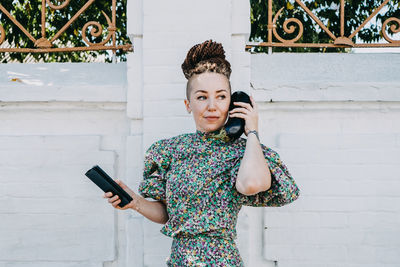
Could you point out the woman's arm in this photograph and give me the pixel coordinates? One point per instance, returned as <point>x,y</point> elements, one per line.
<point>253,175</point>
<point>155,211</point>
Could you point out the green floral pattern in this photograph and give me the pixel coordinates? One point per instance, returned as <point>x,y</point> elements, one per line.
<point>194,174</point>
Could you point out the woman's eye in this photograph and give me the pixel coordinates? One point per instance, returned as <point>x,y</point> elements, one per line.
<point>201,97</point>
<point>222,96</point>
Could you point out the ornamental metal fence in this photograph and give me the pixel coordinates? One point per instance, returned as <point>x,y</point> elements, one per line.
<point>288,29</point>
<point>47,44</point>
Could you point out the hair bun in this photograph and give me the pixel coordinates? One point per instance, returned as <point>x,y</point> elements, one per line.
<point>208,53</point>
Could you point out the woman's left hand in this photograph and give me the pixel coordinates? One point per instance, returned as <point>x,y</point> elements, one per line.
<point>248,113</point>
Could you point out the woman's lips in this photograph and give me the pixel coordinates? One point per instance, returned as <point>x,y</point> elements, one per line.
<point>212,118</point>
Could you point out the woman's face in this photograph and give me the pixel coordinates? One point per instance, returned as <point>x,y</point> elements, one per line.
<point>209,100</point>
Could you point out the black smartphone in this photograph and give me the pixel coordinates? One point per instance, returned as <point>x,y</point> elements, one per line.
<point>107,184</point>
<point>234,127</point>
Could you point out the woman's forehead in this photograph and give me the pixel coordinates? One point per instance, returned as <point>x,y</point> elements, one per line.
<point>210,82</point>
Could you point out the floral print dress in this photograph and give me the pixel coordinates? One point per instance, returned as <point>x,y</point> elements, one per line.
<point>194,175</point>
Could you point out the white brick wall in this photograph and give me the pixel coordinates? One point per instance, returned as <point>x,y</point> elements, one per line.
<point>51,133</point>
<point>345,157</point>
<point>333,119</point>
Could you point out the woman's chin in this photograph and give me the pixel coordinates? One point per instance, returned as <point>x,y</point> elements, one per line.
<point>212,128</point>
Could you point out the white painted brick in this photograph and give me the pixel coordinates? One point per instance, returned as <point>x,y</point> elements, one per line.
<point>347,156</point>
<point>327,252</point>
<point>378,141</point>
<point>42,205</point>
<point>277,252</point>
<point>385,237</point>
<point>54,158</point>
<point>350,188</point>
<point>51,264</point>
<point>112,143</point>
<point>135,80</point>
<point>157,75</point>
<point>85,189</point>
<point>79,244</point>
<point>240,17</point>
<point>312,263</point>
<point>135,17</point>
<point>80,122</point>
<point>136,127</point>
<point>276,219</point>
<point>362,254</point>
<point>344,172</point>
<point>240,59</point>
<point>240,81</point>
<point>218,17</point>
<point>135,240</point>
<point>83,143</point>
<point>388,254</point>
<point>186,23</point>
<point>333,219</point>
<point>172,57</point>
<point>64,82</point>
<point>165,108</point>
<point>185,8</point>
<point>50,173</point>
<point>184,40</point>
<point>346,204</point>
<point>163,92</point>
<point>340,67</point>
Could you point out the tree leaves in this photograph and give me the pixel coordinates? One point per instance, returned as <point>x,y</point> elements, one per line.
<point>28,13</point>
<point>356,11</point>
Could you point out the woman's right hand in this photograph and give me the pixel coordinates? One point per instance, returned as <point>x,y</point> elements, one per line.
<point>115,200</point>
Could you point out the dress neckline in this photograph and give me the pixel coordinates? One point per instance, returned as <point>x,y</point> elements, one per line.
<point>218,135</point>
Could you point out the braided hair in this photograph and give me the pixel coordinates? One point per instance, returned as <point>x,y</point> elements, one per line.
<point>208,56</point>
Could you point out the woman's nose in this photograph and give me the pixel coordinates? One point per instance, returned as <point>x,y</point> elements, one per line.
<point>211,104</point>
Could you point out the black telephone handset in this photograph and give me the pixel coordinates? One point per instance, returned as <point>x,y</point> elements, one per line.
<point>107,184</point>
<point>234,127</point>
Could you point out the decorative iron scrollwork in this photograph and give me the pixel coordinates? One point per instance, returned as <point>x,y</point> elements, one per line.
<point>97,30</point>
<point>58,7</point>
<point>289,30</point>
<point>336,41</point>
<point>45,45</point>
<point>395,28</point>
<point>2,34</point>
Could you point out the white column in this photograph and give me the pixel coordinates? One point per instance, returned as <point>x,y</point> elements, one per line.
<point>134,155</point>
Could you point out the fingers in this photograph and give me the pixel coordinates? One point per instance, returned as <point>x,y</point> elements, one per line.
<point>125,187</point>
<point>239,110</point>
<point>243,104</point>
<point>238,115</point>
<point>114,200</point>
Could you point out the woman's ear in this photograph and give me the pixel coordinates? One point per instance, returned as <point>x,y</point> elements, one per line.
<point>187,104</point>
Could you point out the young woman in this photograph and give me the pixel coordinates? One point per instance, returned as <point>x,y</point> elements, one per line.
<point>201,180</point>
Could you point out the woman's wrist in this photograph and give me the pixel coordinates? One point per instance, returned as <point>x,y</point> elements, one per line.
<point>136,203</point>
<point>255,132</point>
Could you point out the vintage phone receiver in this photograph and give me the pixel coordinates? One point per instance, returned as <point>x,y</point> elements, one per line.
<point>234,127</point>
<point>102,180</point>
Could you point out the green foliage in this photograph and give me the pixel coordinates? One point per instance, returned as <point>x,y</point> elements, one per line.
<point>28,13</point>
<point>328,11</point>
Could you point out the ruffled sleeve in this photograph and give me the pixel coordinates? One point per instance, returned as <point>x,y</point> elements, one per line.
<point>156,163</point>
<point>283,188</point>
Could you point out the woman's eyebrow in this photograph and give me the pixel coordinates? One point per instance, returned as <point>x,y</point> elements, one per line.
<point>203,91</point>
